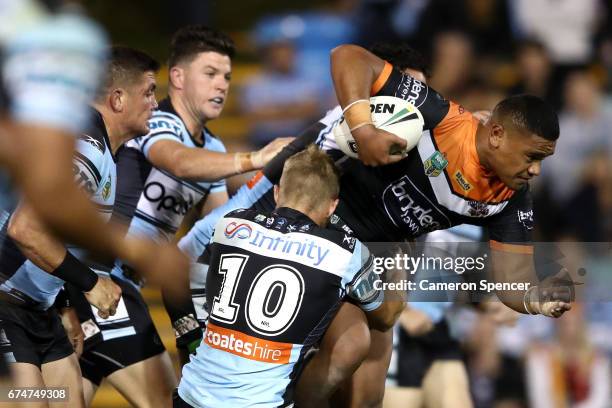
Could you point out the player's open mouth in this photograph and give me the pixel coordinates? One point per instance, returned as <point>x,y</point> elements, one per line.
<point>218,100</point>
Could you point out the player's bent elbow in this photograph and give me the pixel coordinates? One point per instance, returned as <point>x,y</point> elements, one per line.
<point>385,318</point>
<point>178,169</point>
<point>511,299</point>
<point>20,231</point>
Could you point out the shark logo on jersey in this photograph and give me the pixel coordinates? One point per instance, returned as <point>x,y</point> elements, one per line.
<point>95,143</point>
<point>280,222</point>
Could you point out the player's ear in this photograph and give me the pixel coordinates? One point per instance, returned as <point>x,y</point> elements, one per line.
<point>332,207</point>
<point>117,100</point>
<point>177,77</point>
<point>496,135</point>
<point>276,192</point>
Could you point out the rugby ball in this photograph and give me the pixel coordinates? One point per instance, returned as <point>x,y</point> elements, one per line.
<point>394,115</point>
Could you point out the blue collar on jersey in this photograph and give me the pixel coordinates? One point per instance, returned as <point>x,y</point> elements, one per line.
<point>166,106</point>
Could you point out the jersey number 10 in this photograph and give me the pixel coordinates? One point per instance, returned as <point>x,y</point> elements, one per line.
<point>263,314</point>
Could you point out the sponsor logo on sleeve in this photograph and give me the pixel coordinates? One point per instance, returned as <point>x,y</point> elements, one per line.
<point>412,90</point>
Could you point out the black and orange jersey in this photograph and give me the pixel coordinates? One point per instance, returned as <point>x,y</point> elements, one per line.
<point>441,183</point>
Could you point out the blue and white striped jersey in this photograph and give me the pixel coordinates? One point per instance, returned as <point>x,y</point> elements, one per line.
<point>274,283</point>
<point>156,199</point>
<point>153,201</point>
<point>95,172</point>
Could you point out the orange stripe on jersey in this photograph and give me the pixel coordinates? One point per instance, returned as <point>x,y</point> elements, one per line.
<point>455,138</point>
<point>245,346</point>
<point>512,248</point>
<point>382,78</point>
<point>251,183</point>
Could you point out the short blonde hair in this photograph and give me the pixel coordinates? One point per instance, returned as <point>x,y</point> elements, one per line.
<point>310,177</point>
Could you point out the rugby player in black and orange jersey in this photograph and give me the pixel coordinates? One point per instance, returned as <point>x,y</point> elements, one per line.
<point>460,172</point>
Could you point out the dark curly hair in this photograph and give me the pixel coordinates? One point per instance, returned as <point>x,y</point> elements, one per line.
<point>191,40</point>
<point>401,56</point>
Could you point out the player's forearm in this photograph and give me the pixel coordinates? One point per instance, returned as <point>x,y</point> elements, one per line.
<point>354,70</point>
<point>513,268</point>
<point>37,244</point>
<point>44,251</point>
<point>206,165</point>
<point>386,315</point>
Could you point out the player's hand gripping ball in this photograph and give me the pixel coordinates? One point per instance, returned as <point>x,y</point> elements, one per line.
<point>394,115</point>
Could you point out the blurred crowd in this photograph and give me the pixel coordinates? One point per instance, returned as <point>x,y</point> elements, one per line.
<point>480,51</point>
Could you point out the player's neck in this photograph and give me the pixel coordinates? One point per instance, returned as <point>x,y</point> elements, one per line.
<point>190,118</point>
<point>482,145</point>
<point>117,134</point>
<point>316,216</point>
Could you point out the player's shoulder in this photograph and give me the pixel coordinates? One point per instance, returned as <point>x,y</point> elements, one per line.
<point>166,120</point>
<point>93,143</point>
<point>457,116</point>
<point>522,198</point>
<point>344,239</point>
<point>212,141</point>
<point>242,213</point>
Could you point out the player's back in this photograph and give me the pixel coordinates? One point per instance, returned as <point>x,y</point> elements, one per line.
<point>275,281</point>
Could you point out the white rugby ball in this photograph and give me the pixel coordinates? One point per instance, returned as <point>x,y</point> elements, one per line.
<point>394,115</point>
